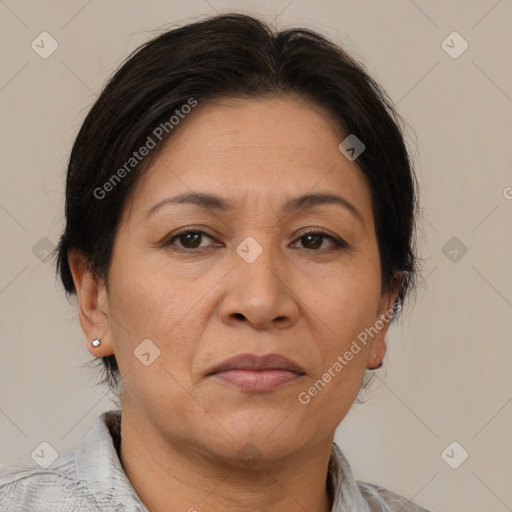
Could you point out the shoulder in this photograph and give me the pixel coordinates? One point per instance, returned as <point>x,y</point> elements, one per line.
<point>89,479</point>
<point>26,486</point>
<point>380,499</point>
<point>351,494</point>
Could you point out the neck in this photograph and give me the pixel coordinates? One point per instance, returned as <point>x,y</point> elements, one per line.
<point>170,476</point>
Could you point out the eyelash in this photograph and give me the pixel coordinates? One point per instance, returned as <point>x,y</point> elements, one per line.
<point>338,242</point>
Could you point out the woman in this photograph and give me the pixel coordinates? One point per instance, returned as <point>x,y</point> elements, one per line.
<point>240,214</point>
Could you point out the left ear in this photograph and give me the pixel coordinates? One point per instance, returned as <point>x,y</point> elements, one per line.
<point>381,325</point>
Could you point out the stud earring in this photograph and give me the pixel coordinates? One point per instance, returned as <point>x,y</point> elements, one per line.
<point>95,343</point>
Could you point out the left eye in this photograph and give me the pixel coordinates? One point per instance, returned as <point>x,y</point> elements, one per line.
<point>314,239</point>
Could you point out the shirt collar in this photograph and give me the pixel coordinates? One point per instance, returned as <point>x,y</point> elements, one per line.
<point>99,467</point>
<point>347,496</point>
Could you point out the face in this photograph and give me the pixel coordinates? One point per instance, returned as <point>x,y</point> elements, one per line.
<point>250,272</point>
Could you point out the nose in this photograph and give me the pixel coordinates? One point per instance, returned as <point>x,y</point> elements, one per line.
<point>259,294</point>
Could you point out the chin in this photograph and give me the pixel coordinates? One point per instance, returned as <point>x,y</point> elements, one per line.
<point>263,435</point>
<point>256,453</point>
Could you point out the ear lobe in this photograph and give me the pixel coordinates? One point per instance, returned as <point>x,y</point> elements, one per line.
<point>90,293</point>
<point>376,353</point>
<point>378,343</point>
<point>382,321</point>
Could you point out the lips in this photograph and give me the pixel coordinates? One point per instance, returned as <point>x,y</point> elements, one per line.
<point>251,372</point>
<point>254,362</point>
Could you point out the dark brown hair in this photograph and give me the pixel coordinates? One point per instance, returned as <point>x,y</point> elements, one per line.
<point>231,55</point>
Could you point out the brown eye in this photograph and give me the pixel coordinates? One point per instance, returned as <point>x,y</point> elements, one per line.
<point>188,239</point>
<point>314,240</point>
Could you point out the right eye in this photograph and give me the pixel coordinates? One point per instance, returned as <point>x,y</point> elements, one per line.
<point>188,239</point>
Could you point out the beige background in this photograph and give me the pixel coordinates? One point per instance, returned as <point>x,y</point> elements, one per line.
<point>448,375</point>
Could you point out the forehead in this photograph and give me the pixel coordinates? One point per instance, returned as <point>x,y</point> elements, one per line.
<point>267,129</point>
<point>267,148</point>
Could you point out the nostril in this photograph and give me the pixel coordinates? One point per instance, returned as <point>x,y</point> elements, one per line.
<point>239,316</point>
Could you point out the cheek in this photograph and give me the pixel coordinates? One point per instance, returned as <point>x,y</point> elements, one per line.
<point>336,381</point>
<point>350,304</point>
<point>331,392</point>
<point>150,347</point>
<point>142,308</point>
<point>351,308</point>
<point>146,295</point>
<point>151,302</point>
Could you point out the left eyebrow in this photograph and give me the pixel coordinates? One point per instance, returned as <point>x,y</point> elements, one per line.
<point>307,201</point>
<point>215,202</point>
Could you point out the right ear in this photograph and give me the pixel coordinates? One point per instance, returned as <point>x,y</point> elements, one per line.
<point>93,310</point>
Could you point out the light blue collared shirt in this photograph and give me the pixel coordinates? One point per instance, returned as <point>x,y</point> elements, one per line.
<point>92,478</point>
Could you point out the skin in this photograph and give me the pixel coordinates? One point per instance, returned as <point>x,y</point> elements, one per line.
<point>183,432</point>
